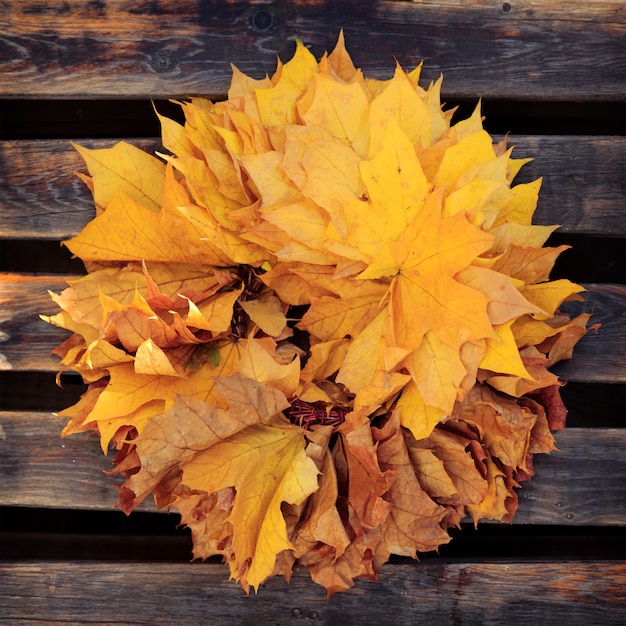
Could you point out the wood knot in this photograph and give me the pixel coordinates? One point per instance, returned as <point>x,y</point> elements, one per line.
<point>163,61</point>
<point>261,20</point>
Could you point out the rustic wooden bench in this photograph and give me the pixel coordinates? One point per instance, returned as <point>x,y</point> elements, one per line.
<point>551,73</point>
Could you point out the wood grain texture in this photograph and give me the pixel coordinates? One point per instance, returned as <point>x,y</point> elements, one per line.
<point>26,341</point>
<point>584,187</point>
<point>600,353</point>
<point>571,484</point>
<point>40,195</point>
<point>512,593</point>
<point>532,49</point>
<point>584,183</point>
<point>524,51</point>
<point>582,484</point>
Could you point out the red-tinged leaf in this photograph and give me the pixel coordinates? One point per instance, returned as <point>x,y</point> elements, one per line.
<point>366,483</point>
<point>415,520</point>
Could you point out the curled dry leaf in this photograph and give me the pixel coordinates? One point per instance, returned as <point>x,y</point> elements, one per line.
<point>320,325</point>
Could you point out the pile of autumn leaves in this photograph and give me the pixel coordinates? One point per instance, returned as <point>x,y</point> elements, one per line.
<point>318,243</point>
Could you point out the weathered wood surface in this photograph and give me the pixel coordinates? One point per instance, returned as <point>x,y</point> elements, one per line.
<point>601,353</point>
<point>26,340</point>
<point>40,195</point>
<point>523,50</point>
<point>409,593</point>
<point>584,188</point>
<point>581,484</point>
<point>530,49</point>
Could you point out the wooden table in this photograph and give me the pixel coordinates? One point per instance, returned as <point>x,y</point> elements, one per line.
<point>551,73</point>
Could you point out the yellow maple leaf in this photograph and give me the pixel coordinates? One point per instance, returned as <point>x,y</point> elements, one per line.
<point>399,104</point>
<point>426,283</point>
<point>267,465</point>
<point>277,104</point>
<point>133,398</point>
<point>549,296</point>
<point>339,108</point>
<point>505,300</point>
<point>437,370</point>
<point>128,231</point>
<point>124,167</point>
<point>267,312</point>
<point>415,414</point>
<point>192,425</point>
<point>502,354</point>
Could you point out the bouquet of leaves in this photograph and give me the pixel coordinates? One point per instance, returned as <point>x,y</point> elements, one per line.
<point>321,325</point>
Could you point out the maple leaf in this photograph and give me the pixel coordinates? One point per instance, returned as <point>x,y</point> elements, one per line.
<point>193,425</point>
<point>322,523</point>
<point>448,469</point>
<point>321,326</point>
<point>364,481</point>
<point>267,465</point>
<point>415,520</point>
<point>206,515</point>
<point>127,168</point>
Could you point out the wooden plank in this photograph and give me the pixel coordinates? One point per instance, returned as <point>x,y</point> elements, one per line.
<point>26,341</point>
<point>584,187</point>
<point>582,484</point>
<point>568,487</point>
<point>40,195</point>
<point>584,182</point>
<point>600,354</point>
<point>535,49</point>
<point>512,593</point>
<point>50,471</point>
